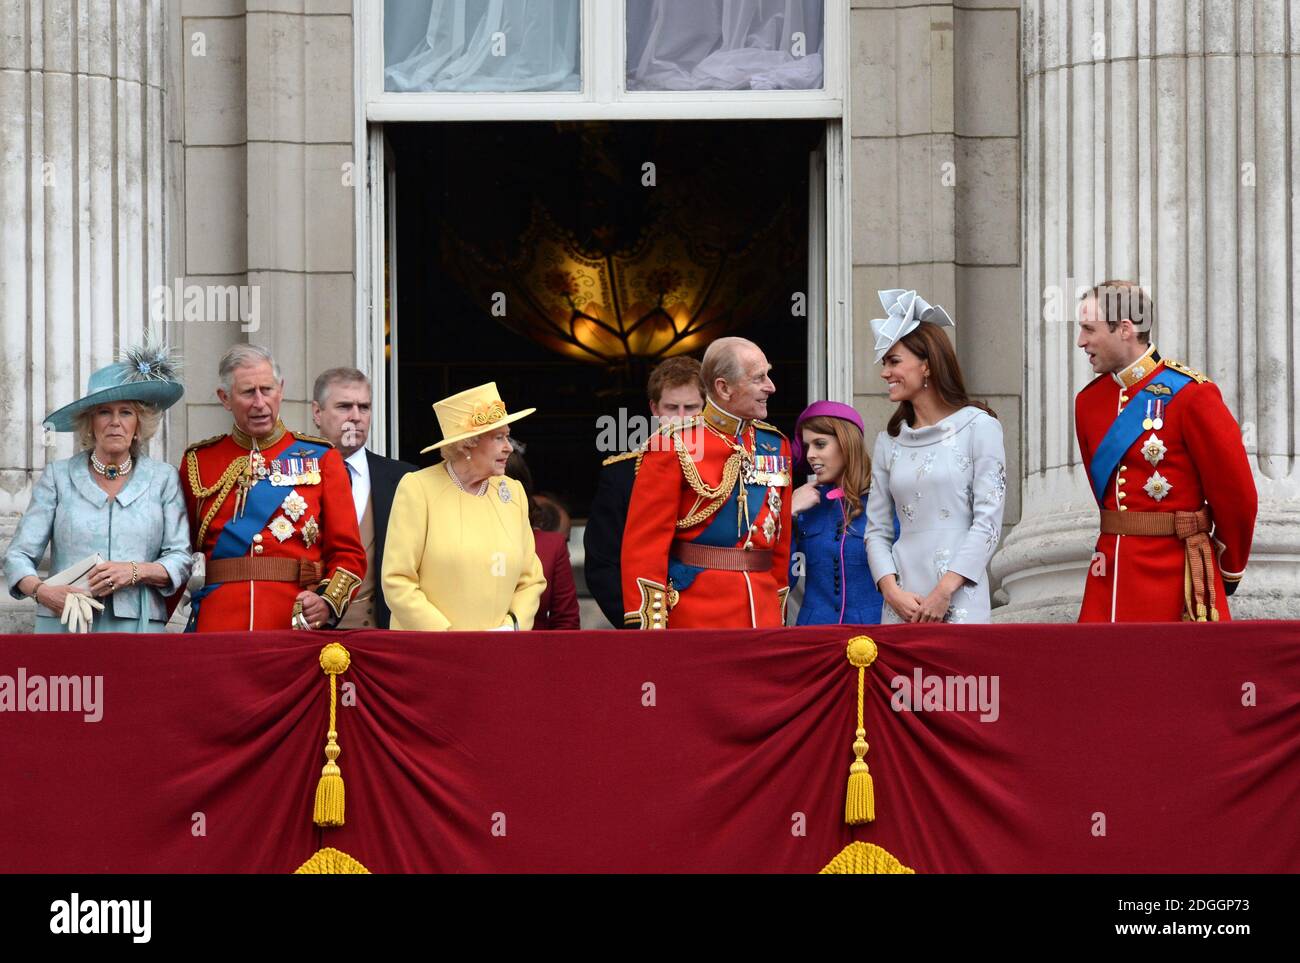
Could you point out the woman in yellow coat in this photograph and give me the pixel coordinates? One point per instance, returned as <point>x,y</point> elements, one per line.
<point>459,553</point>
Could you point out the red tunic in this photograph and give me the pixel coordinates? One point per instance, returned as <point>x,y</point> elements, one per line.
<point>1200,459</point>
<point>321,527</point>
<point>663,494</point>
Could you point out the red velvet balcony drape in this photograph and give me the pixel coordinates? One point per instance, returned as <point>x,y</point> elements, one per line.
<point>1169,748</point>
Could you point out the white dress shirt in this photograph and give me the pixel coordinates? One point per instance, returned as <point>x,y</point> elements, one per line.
<point>359,472</point>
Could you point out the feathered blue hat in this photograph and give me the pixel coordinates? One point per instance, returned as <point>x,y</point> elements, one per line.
<point>147,374</point>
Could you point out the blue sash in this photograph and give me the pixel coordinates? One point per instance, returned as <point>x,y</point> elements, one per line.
<point>1125,430</point>
<point>236,537</point>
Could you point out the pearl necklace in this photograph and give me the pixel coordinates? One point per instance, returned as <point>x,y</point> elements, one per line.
<point>110,471</point>
<point>482,489</point>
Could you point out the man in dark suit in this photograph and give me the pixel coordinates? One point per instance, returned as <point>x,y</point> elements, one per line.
<point>676,393</point>
<point>341,409</point>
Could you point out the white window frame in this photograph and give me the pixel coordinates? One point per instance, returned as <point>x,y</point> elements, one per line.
<point>602,97</point>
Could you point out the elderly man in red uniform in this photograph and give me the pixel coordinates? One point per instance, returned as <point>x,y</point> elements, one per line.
<point>271,511</point>
<point>1166,463</point>
<point>707,539</point>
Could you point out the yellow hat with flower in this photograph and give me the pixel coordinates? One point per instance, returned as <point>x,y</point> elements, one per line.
<point>474,411</point>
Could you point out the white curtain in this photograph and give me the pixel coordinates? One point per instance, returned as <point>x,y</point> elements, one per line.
<point>724,44</point>
<point>481,45</point>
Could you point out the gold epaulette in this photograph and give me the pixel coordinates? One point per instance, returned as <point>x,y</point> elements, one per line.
<point>316,439</point>
<point>1197,376</point>
<point>205,442</point>
<point>764,424</point>
<point>614,459</point>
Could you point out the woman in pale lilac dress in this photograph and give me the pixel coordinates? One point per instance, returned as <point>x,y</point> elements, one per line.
<point>941,465</point>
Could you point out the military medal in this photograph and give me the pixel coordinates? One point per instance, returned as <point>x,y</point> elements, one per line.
<point>1159,421</point>
<point>1147,423</point>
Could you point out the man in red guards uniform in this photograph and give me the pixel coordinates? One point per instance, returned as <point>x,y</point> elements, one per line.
<point>1167,466</point>
<point>707,539</point>
<point>271,511</point>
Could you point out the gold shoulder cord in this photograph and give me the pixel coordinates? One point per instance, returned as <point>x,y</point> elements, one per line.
<point>221,489</point>
<point>714,496</point>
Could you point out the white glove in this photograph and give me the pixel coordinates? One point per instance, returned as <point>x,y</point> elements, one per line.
<point>78,612</point>
<point>503,628</point>
<point>198,572</point>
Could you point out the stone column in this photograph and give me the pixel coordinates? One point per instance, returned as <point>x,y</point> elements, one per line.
<point>263,146</point>
<point>935,190</point>
<point>81,216</point>
<point>1162,144</point>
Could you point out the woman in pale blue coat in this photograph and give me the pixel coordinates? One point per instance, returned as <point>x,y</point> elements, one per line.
<point>109,499</point>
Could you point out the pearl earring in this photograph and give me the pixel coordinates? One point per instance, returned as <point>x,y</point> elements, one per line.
<point>926,383</point>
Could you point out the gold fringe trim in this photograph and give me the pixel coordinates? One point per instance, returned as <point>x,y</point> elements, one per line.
<point>865,858</point>
<point>330,860</point>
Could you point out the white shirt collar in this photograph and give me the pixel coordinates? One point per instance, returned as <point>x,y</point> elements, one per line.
<point>359,463</point>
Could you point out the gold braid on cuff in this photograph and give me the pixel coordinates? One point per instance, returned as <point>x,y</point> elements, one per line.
<point>338,590</point>
<point>653,613</point>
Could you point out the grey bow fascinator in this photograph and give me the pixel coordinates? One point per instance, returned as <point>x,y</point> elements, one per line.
<point>905,311</point>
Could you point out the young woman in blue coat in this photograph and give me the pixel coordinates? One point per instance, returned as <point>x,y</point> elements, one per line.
<point>830,523</point>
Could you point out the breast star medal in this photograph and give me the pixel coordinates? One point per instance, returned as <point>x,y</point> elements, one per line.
<point>1157,486</point>
<point>294,505</point>
<point>1153,449</point>
<point>310,531</point>
<point>281,528</point>
<point>772,524</point>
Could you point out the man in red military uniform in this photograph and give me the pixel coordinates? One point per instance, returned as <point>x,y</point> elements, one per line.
<point>707,539</point>
<point>271,511</point>
<point>1168,468</point>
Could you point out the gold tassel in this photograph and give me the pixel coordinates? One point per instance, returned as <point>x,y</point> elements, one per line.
<point>334,661</point>
<point>860,803</point>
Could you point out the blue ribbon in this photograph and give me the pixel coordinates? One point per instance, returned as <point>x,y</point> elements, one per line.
<point>1125,430</point>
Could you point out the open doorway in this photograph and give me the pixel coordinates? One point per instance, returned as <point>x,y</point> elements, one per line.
<point>563,260</point>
